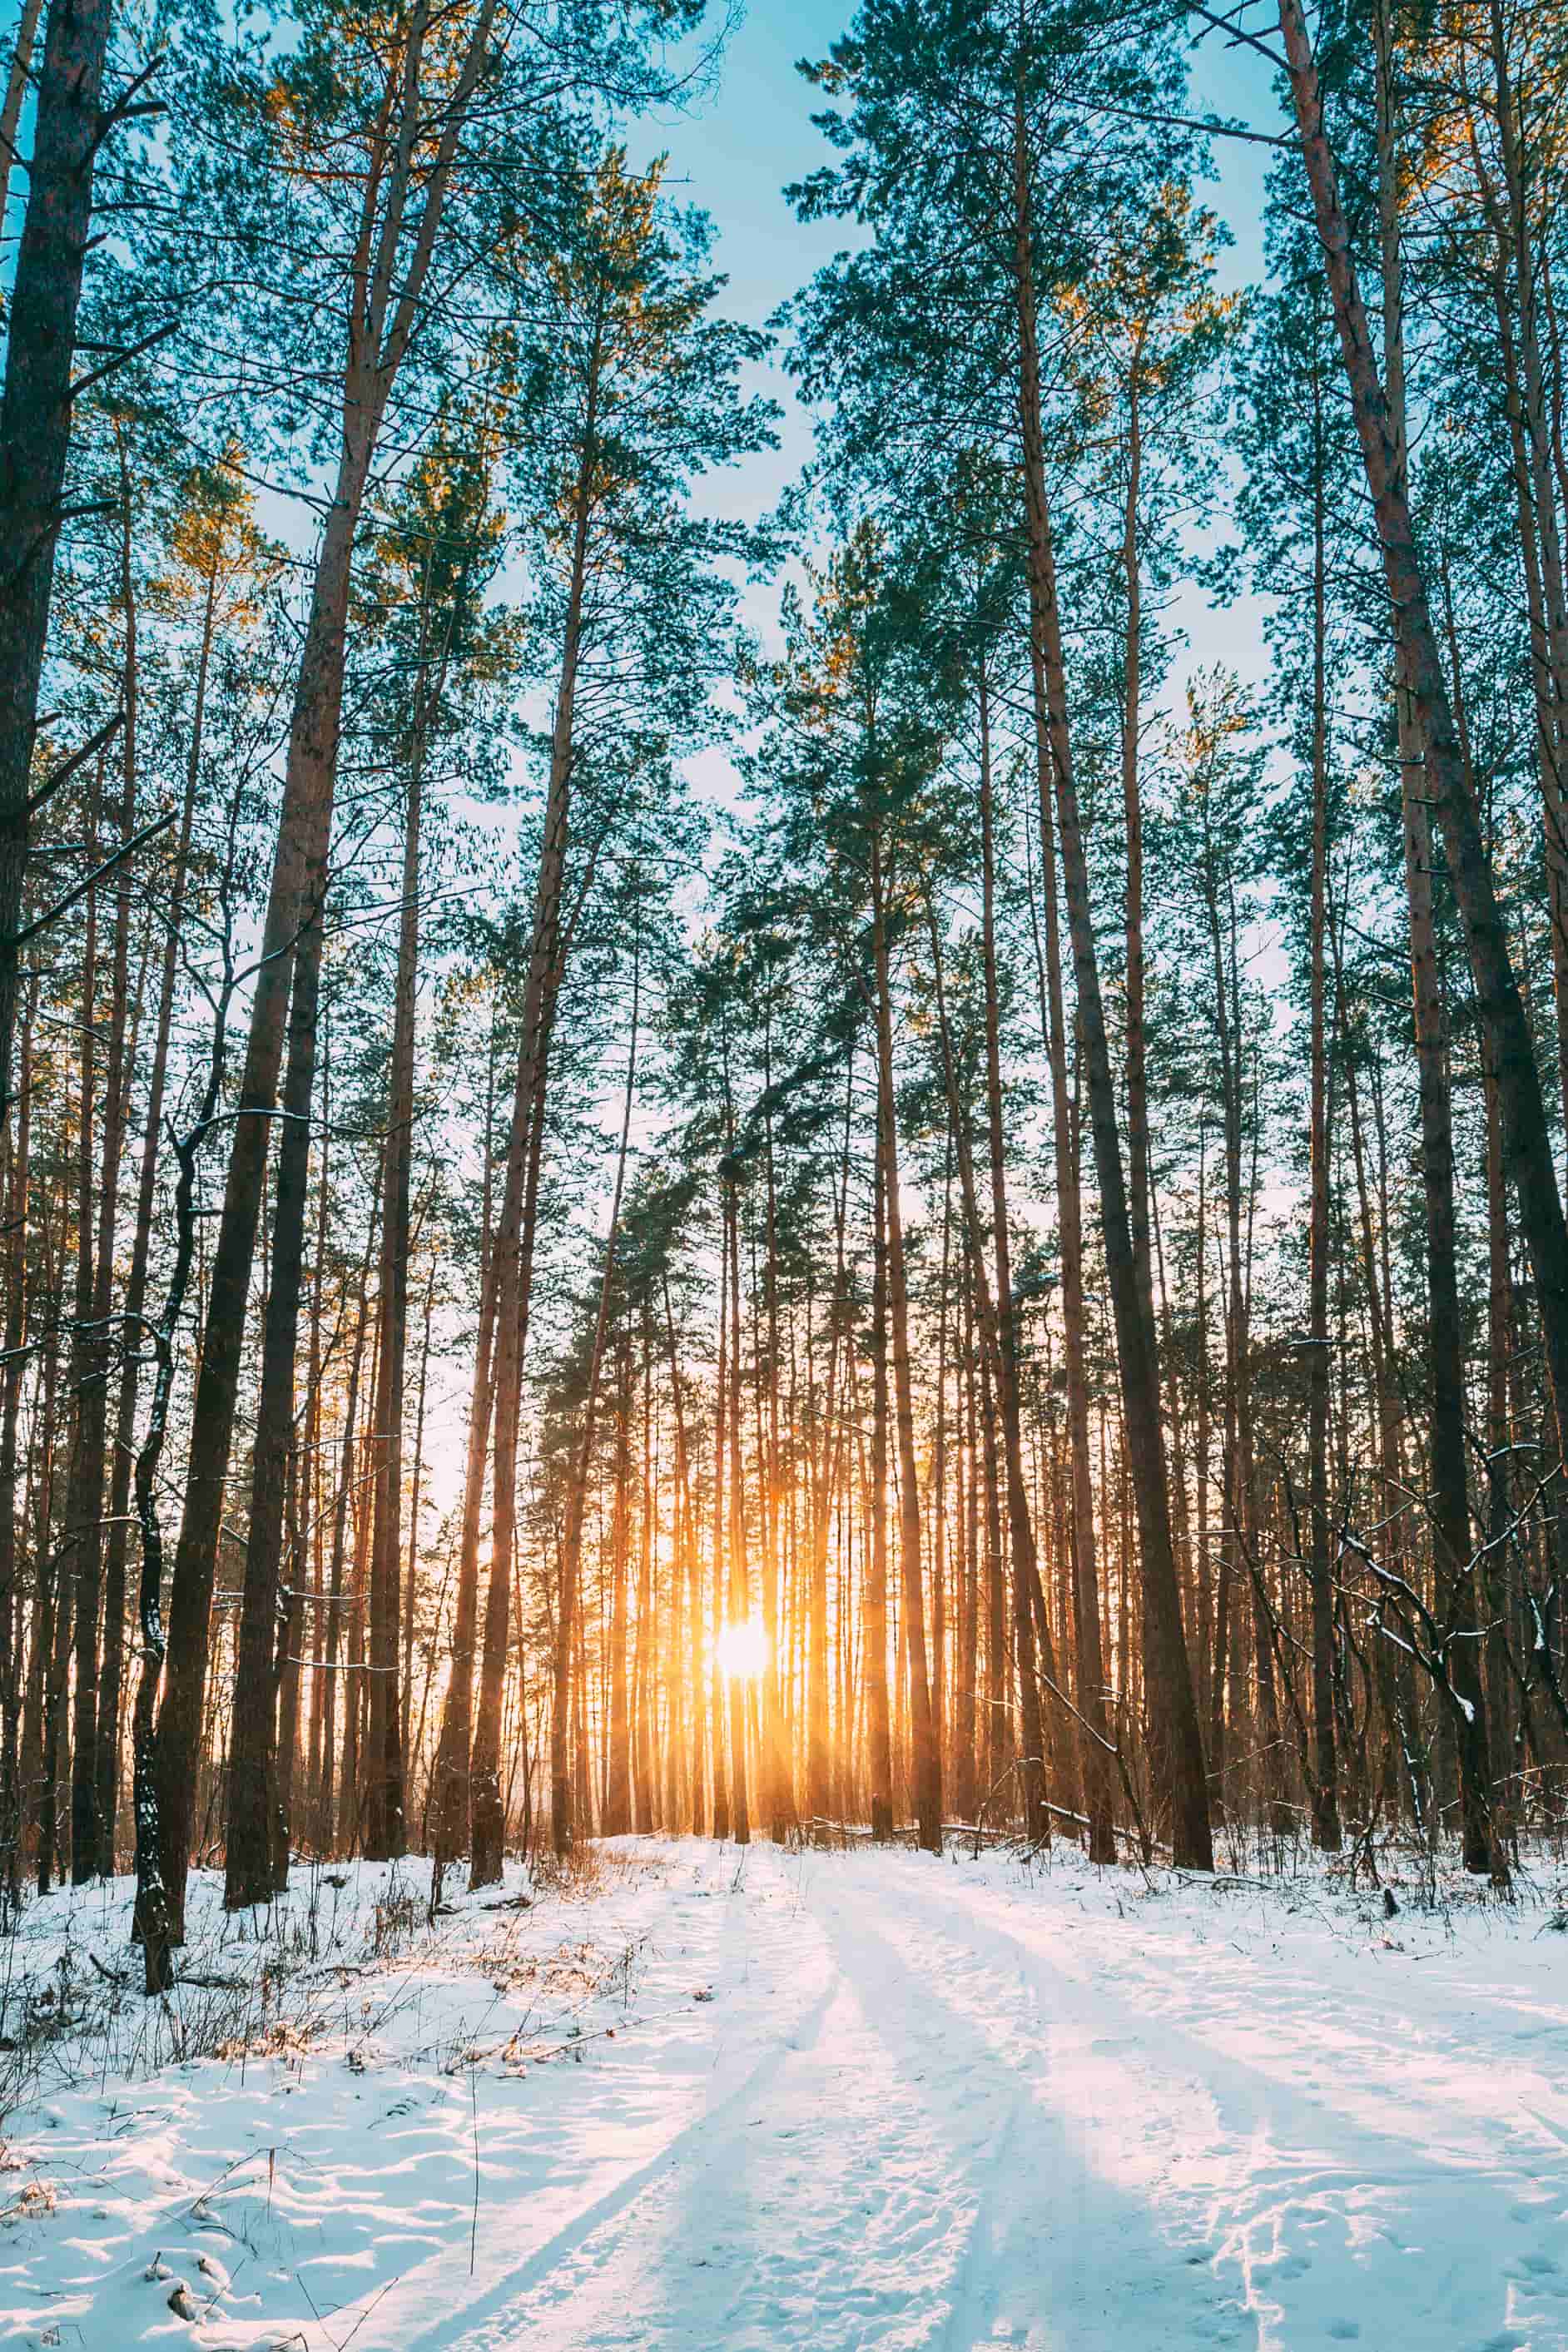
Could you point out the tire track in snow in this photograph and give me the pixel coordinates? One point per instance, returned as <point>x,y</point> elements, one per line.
<point>808,2207</point>
<point>1057,2258</point>
<point>1335,2230</point>
<point>923,2114</point>
<point>575,2173</point>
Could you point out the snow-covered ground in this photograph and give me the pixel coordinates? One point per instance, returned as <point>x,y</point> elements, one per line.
<point>795,2103</point>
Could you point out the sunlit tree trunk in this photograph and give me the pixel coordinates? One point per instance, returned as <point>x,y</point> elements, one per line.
<point>386,306</point>
<point>874,1664</point>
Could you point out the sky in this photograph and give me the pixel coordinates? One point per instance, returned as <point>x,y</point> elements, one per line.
<point>751,134</point>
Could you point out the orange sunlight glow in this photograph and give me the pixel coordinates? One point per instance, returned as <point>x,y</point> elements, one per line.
<point>742,1650</point>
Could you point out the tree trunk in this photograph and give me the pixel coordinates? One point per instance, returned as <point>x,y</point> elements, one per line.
<point>1527,1139</point>
<point>1325,1808</point>
<point>35,426</point>
<point>926,1758</point>
<point>251,1852</point>
<point>118,1080</point>
<point>1450,1486</point>
<point>874,1668</point>
<point>82,1557</point>
<point>1176,1741</point>
<point>391,288</point>
<point>385,1826</point>
<point>562,1810</point>
<point>17,1135</point>
<point>120,1483</point>
<point>449,1806</point>
<point>829,1443</point>
<point>617,1807</point>
<point>514,1235</point>
<point>739,1575</point>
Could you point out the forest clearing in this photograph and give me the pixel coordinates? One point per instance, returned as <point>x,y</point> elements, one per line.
<point>748,2098</point>
<point>783,1116</point>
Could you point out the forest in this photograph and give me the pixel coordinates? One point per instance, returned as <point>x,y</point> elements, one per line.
<point>784,1113</point>
<point>877,1164</point>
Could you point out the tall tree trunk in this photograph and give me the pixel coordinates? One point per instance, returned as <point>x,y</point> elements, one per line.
<point>1325,1807</point>
<point>384,1828</point>
<point>118,1077</point>
<point>120,1474</point>
<point>1088,1641</point>
<point>644,1725</point>
<point>35,426</point>
<point>778,1798</point>
<point>515,1232</point>
<point>17,1136</point>
<point>1176,1741</point>
<point>829,1443</point>
<point>82,1556</point>
<point>414,1748</point>
<point>874,1664</point>
<point>385,305</point>
<point>926,1758</point>
<point>1000,1356</point>
<point>155,1924</point>
<point>968,1514</point>
<point>251,1852</point>
<point>1450,1485</point>
<point>617,1806</point>
<point>1527,1139</point>
<point>739,1600</point>
<point>562,1810</point>
<point>686,1583</point>
<point>449,1806</point>
<point>335,1662</point>
<point>1138,1173</point>
<point>716,1681</point>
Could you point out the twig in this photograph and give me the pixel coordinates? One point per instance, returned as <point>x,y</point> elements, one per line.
<point>474,2226</point>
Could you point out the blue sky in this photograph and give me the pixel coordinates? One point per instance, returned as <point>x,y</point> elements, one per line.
<point>753,134</point>
<point>735,153</point>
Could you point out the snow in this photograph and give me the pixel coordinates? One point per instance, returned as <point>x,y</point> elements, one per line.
<point>750,2102</point>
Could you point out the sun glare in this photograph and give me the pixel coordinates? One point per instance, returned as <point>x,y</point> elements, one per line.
<point>744,1650</point>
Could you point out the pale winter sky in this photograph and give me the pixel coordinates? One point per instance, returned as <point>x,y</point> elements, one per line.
<point>753,133</point>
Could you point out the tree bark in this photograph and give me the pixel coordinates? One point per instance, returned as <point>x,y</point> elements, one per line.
<point>384,1825</point>
<point>250,1855</point>
<point>1325,1807</point>
<point>386,304</point>
<point>1450,1512</point>
<point>120,1485</point>
<point>926,1758</point>
<point>35,427</point>
<point>562,1810</point>
<point>874,1666</point>
<point>1527,1139</point>
<point>1176,1741</point>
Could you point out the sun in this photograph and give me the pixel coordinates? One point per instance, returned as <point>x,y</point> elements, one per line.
<point>742,1650</point>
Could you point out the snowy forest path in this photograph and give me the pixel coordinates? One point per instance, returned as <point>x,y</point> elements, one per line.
<point>938,2107</point>
<point>700,2100</point>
